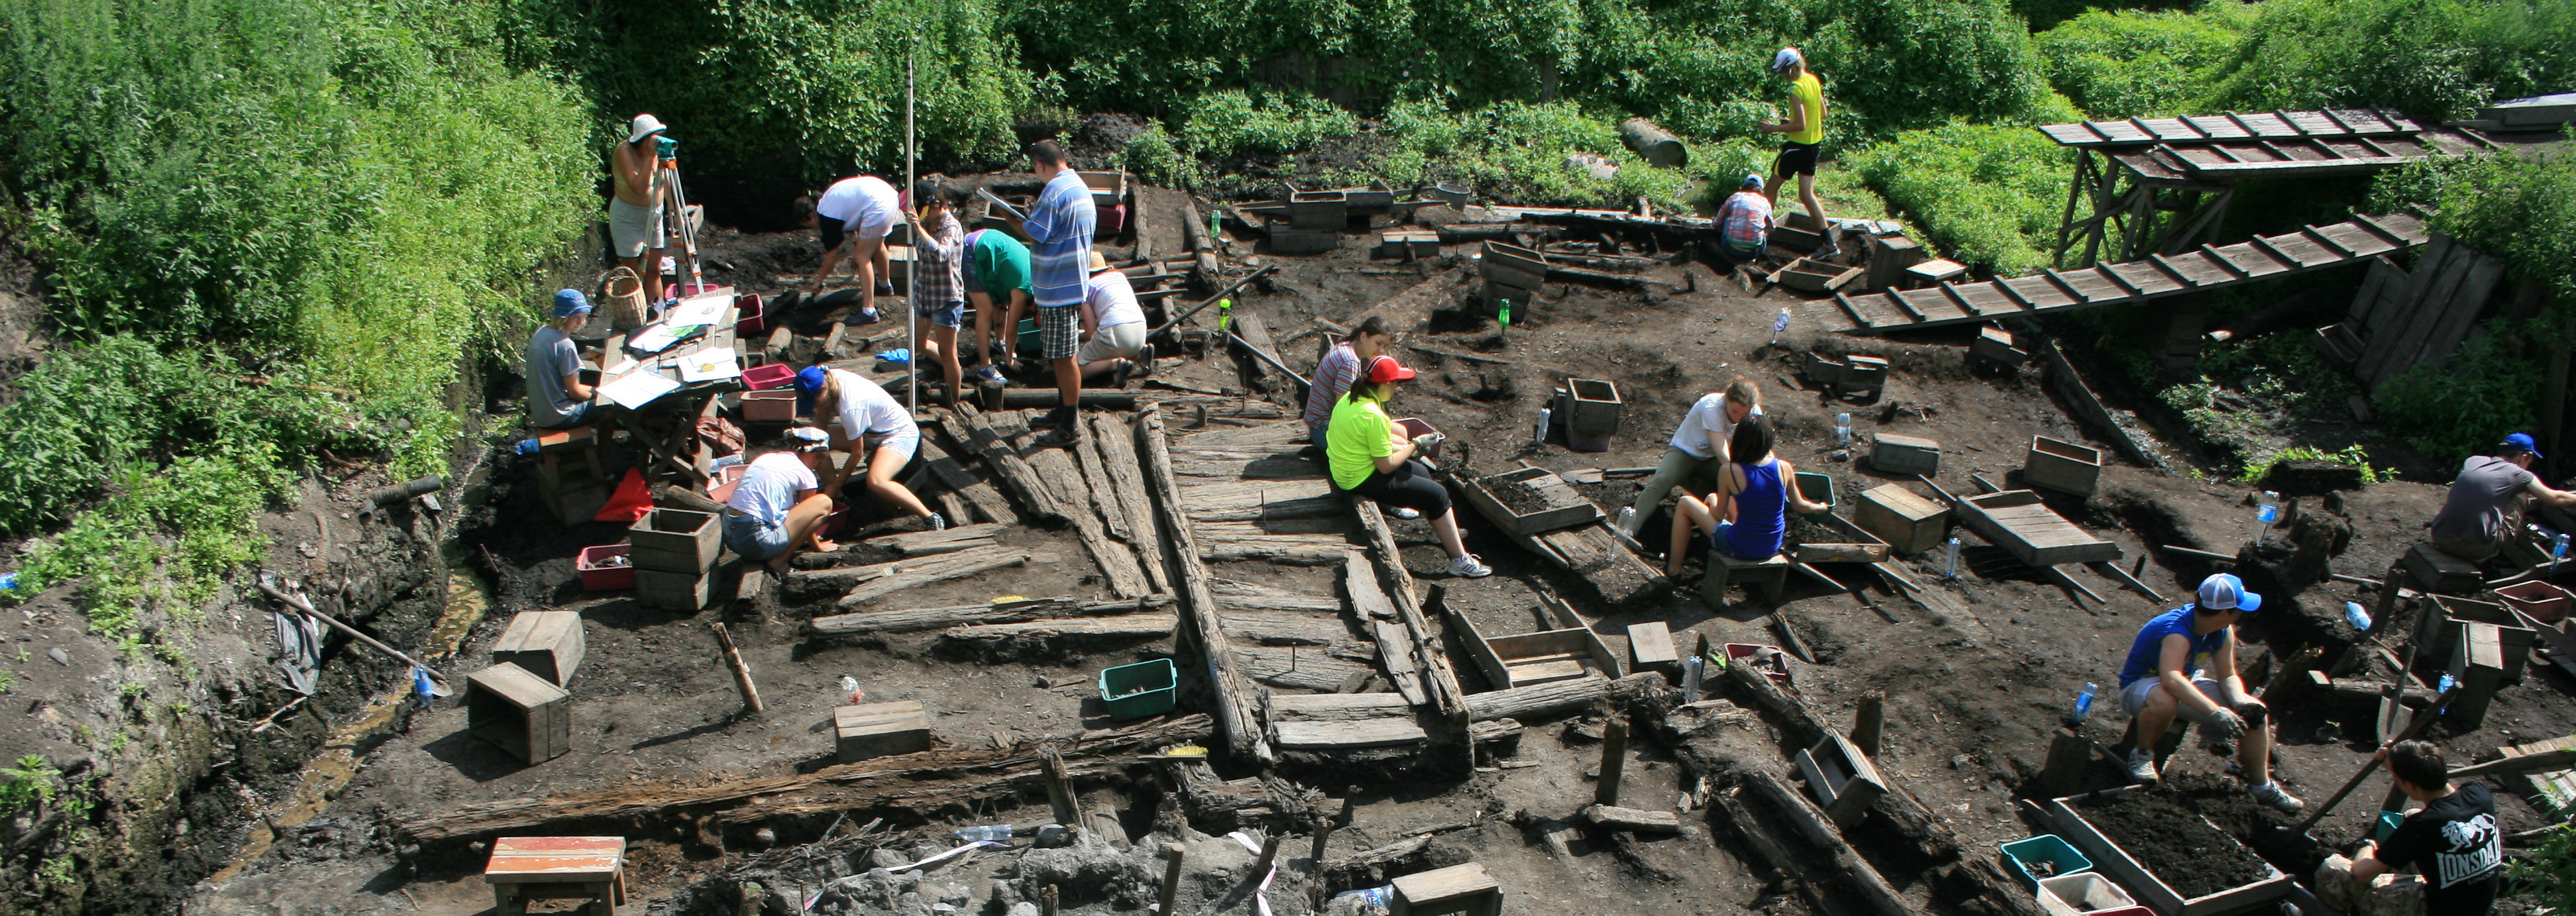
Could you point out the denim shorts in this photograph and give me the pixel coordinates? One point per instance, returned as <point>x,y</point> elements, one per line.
<point>948,314</point>
<point>755,541</point>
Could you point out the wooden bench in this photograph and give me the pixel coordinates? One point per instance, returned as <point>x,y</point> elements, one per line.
<point>530,868</point>
<point>1769,575</point>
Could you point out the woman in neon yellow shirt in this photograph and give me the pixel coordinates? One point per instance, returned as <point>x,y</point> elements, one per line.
<point>1805,128</point>
<point>1368,454</point>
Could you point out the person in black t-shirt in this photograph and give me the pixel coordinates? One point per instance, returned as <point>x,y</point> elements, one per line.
<point>2452,841</point>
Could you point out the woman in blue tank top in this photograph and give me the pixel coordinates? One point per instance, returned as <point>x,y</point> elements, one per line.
<point>1748,514</point>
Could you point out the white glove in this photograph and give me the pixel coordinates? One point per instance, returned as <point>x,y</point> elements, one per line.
<point>2228,724</point>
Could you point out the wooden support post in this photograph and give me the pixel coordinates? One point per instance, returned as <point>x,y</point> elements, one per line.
<point>1269,854</point>
<point>1869,723</point>
<point>1068,807</point>
<point>1173,853</point>
<point>1323,835</point>
<point>1046,903</point>
<point>1614,755</point>
<point>741,672</point>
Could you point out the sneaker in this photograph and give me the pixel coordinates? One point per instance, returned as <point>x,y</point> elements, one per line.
<point>885,288</point>
<point>1826,253</point>
<point>1469,567</point>
<point>1406,512</point>
<point>1118,376</point>
<point>1059,438</point>
<point>863,316</point>
<point>999,350</point>
<point>991,376</point>
<point>938,522</point>
<point>1145,360</point>
<point>2142,766</point>
<point>2279,799</point>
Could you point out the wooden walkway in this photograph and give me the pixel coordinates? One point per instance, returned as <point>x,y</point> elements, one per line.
<point>2261,125</point>
<point>2126,283</point>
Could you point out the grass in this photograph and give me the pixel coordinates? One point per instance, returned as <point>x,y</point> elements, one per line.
<point>1987,194</point>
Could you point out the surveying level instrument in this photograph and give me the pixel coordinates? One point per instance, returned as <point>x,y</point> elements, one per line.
<point>675,202</point>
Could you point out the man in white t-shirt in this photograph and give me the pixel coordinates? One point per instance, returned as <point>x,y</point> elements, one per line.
<point>1113,327</point>
<point>853,217</point>
<point>876,430</point>
<point>778,507</point>
<point>1698,450</point>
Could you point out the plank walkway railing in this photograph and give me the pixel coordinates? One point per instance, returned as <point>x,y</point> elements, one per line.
<point>2125,283</point>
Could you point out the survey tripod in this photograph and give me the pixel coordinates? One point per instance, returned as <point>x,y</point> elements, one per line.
<point>675,207</point>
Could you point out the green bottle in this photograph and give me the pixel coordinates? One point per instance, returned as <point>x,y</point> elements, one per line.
<point>1224,315</point>
<point>1506,316</point>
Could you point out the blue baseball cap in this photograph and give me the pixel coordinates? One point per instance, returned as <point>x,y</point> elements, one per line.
<point>2227,593</point>
<point>809,385</point>
<point>1753,181</point>
<point>570,302</point>
<point>2520,442</point>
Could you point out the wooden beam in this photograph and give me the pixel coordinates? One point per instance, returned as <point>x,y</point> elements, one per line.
<point>1440,678</point>
<point>1236,715</point>
<point>913,620</point>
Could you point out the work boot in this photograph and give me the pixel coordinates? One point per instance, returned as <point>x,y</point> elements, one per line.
<point>2142,766</point>
<point>1061,437</point>
<point>2279,799</point>
<point>1060,416</point>
<point>1118,376</point>
<point>1145,361</point>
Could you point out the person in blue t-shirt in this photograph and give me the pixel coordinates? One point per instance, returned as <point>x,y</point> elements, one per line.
<point>2184,663</point>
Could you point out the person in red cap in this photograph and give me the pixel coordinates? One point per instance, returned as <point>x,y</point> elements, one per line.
<point>1369,454</point>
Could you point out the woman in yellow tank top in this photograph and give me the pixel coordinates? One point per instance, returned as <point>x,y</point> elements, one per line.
<point>1805,128</point>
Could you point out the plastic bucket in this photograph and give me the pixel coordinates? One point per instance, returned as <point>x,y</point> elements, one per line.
<point>1139,690</point>
<point>2019,855</point>
<point>596,573</point>
<point>2083,892</point>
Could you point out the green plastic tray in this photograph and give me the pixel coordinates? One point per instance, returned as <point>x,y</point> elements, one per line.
<point>1139,690</point>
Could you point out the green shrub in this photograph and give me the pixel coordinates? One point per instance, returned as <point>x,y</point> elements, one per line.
<point>2549,872</point>
<point>1152,155</point>
<point>1918,63</point>
<point>29,785</point>
<point>2048,14</point>
<point>2470,403</point>
<point>2440,57</point>
<point>1229,123</point>
<point>2128,64</point>
<point>2352,455</point>
<point>2520,210</point>
<point>1990,194</point>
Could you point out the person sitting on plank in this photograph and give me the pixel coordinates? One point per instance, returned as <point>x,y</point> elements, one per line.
<point>2184,663</point>
<point>1748,516</point>
<point>1369,454</point>
<point>777,508</point>
<point>1698,450</point>
<point>556,397</point>
<point>875,429</point>
<point>1339,367</point>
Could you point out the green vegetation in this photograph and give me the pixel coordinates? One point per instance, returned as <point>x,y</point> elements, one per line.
<point>2435,56</point>
<point>28,786</point>
<point>2129,64</point>
<point>2549,872</point>
<point>1993,194</point>
<point>2485,391</point>
<point>2352,455</point>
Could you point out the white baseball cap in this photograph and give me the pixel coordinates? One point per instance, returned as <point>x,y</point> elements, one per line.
<point>1785,58</point>
<point>808,438</point>
<point>2227,593</point>
<point>646,125</point>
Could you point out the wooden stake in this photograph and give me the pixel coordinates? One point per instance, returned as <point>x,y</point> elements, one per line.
<point>1614,752</point>
<point>1047,902</point>
<point>1323,834</point>
<point>1172,855</point>
<point>1269,854</point>
<point>1068,808</point>
<point>741,672</point>
<point>1869,723</point>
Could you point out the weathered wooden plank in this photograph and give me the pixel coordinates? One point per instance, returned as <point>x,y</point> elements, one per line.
<point>1351,735</point>
<point>2461,313</point>
<point>1337,707</point>
<point>1378,617</point>
<point>1236,716</point>
<point>1095,476</point>
<point>1298,667</point>
<point>1255,597</point>
<point>2389,351</point>
<point>910,620</point>
<point>1440,679</point>
<point>1127,487</point>
<point>938,569</point>
<point>1283,628</point>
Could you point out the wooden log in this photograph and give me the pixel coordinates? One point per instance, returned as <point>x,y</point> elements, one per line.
<point>1540,701</point>
<point>1067,806</point>
<point>1610,817</point>
<point>1123,627</point>
<point>1117,563</point>
<point>1283,550</point>
<point>1118,460</point>
<point>1173,853</point>
<point>1005,462</point>
<point>898,546</point>
<point>1252,336</point>
<point>1839,553</point>
<point>1803,727</point>
<point>900,779</point>
<point>989,503</point>
<point>1063,479</point>
<point>936,569</point>
<point>1440,680</point>
<point>912,620</point>
<point>1789,867</point>
<point>1377,616</point>
<point>1383,855</point>
<point>1803,819</point>
<point>2364,689</point>
<point>1614,758</point>
<point>1235,705</point>
<point>741,672</point>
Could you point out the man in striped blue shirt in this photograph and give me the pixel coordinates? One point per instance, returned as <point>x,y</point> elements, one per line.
<point>1059,229</point>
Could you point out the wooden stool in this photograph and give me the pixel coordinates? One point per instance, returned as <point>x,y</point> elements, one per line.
<point>879,729</point>
<point>576,498</point>
<point>1465,890</point>
<point>1769,575</point>
<point>528,868</point>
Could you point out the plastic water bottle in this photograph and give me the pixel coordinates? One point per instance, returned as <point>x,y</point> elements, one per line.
<point>1627,521</point>
<point>1224,315</point>
<point>851,695</point>
<point>1779,325</point>
<point>2084,702</point>
<point>990,833</point>
<point>1544,415</point>
<point>420,686</point>
<point>1950,559</point>
<point>726,461</point>
<point>8,581</point>
<point>2557,551</point>
<point>1373,896</point>
<point>2264,515</point>
<point>2356,615</point>
<point>529,446</point>
<point>1505,315</point>
<point>1842,430</point>
<point>1693,669</point>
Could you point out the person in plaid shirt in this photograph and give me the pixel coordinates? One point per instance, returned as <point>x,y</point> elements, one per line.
<point>939,297</point>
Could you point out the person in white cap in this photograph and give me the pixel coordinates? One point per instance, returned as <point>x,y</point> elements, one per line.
<point>1744,223</point>
<point>2183,663</point>
<point>635,213</point>
<point>1113,327</point>
<point>778,507</point>
<point>1805,130</point>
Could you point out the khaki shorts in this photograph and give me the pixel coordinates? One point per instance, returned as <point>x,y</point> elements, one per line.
<point>1117,341</point>
<point>632,230</point>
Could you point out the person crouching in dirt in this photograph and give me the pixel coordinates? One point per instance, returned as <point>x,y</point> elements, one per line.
<point>853,217</point>
<point>2452,841</point>
<point>1748,516</point>
<point>556,397</point>
<point>876,430</point>
<point>1113,327</point>
<point>1698,451</point>
<point>2184,663</point>
<point>1744,223</point>
<point>1368,454</point>
<point>2478,513</point>
<point>778,507</point>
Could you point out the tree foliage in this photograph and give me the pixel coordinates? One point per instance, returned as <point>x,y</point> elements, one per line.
<point>2435,57</point>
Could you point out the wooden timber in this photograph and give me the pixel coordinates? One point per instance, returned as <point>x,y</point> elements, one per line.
<point>1234,693</point>
<point>1439,677</point>
<point>913,620</point>
<point>1127,486</point>
<point>1378,616</point>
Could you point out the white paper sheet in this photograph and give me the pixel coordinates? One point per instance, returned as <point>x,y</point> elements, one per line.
<point>706,309</point>
<point>660,337</point>
<point>637,390</point>
<point>709,364</point>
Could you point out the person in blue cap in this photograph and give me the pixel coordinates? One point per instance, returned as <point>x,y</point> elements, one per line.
<point>872,426</point>
<point>2480,510</point>
<point>1744,223</point>
<point>2184,664</point>
<point>556,397</point>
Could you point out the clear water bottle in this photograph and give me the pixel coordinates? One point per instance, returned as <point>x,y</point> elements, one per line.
<point>988,833</point>
<point>2356,615</point>
<point>1950,559</point>
<point>1540,437</point>
<point>1628,520</point>
<point>1779,325</point>
<point>851,694</point>
<point>727,461</point>
<point>1842,430</point>
<point>1373,896</point>
<point>1693,669</point>
<point>421,688</point>
<point>2084,702</point>
<point>2265,514</point>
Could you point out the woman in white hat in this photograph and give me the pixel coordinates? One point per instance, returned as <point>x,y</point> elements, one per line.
<point>778,507</point>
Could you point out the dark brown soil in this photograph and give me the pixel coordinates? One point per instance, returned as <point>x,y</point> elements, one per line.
<point>2163,832</point>
<point>2224,802</point>
<point>1520,499</point>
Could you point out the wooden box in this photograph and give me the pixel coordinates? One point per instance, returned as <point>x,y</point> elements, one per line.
<point>2437,629</point>
<point>1650,647</point>
<point>1463,890</point>
<point>547,644</point>
<point>1889,256</point>
<point>675,540</point>
<point>523,869</point>
<point>1910,524</point>
<point>880,729</point>
<point>2018,522</point>
<point>2441,572</point>
<point>671,591</point>
<point>1768,576</point>
<point>1996,345</point>
<point>1512,265</point>
<point>2109,859</point>
<point>1844,780</point>
<point>1792,238</point>
<point>1408,244</point>
<point>1108,189</point>
<point>1591,407</point>
<point>1815,276</point>
<point>2477,663</point>
<point>1302,241</point>
<point>1536,658</point>
<point>520,712</point>
<point>1564,508</point>
<point>2062,466</point>
<point>1897,454</point>
<point>1329,210</point>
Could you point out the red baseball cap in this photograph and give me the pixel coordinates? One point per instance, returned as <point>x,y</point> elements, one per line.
<point>1385,369</point>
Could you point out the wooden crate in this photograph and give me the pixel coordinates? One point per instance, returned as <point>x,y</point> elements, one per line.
<point>1650,647</point>
<point>1108,189</point>
<point>524,714</point>
<point>2477,664</point>
<point>1815,276</point>
<point>547,644</point>
<point>1591,407</point>
<point>1889,256</point>
<point>2437,630</point>
<point>1536,658</point>
<point>676,540</point>
<point>2018,522</point>
<point>1408,244</point>
<point>2441,572</point>
<point>1910,524</point>
<point>880,729</point>
<point>1935,271</point>
<point>1895,454</point>
<point>2551,791</point>
<point>1843,779</point>
<point>1565,508</point>
<point>2115,862</point>
<point>2062,466</point>
<point>1328,210</point>
<point>672,591</point>
<point>1996,345</point>
<point>1512,265</point>
<point>1462,890</point>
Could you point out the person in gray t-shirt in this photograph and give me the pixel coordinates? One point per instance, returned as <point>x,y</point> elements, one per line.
<point>2477,515</point>
<point>556,396</point>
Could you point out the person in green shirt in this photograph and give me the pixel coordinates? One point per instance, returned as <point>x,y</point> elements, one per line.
<point>997,265</point>
<point>1368,454</point>
<point>1805,128</point>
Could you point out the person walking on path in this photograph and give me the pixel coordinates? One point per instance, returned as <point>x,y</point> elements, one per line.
<point>2480,510</point>
<point>778,507</point>
<point>2183,663</point>
<point>1113,327</point>
<point>635,209</point>
<point>1698,450</point>
<point>556,397</point>
<point>1748,517</point>
<point>2452,841</point>
<point>997,267</point>
<point>1059,229</point>
<point>939,255</point>
<point>853,217</point>
<point>876,430</point>
<point>1744,223</point>
<point>1805,130</point>
<point>1368,454</point>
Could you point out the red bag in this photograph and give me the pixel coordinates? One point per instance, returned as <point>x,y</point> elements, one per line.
<point>630,502</point>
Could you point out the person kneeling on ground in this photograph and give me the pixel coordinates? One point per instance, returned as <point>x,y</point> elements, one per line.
<point>556,397</point>
<point>2184,663</point>
<point>939,244</point>
<point>2477,515</point>
<point>1368,454</point>
<point>2452,841</point>
<point>1113,327</point>
<point>1744,223</point>
<point>1698,451</point>
<point>875,429</point>
<point>778,507</point>
<point>1749,514</point>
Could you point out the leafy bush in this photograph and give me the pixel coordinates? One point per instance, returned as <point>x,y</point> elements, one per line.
<point>2521,210</point>
<point>1918,63</point>
<point>1152,155</point>
<point>2549,872</point>
<point>1987,193</point>
<point>2048,14</point>
<point>2442,57</point>
<point>2129,64</point>
<point>1229,123</point>
<point>27,786</point>
<point>2470,403</point>
<point>2353,455</point>
<point>1519,152</point>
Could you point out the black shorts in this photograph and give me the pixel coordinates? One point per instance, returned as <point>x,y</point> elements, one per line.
<point>1796,159</point>
<point>1410,486</point>
<point>833,233</point>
